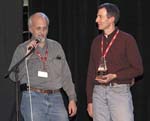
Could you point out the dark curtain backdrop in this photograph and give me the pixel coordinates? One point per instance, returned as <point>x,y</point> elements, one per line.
<point>145,42</point>
<point>10,37</point>
<point>72,23</point>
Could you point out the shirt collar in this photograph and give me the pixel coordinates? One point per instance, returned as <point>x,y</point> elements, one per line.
<point>110,35</point>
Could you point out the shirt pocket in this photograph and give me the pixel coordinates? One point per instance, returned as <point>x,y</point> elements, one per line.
<point>55,66</point>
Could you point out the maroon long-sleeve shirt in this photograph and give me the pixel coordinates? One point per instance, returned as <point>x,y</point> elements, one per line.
<point>123,59</point>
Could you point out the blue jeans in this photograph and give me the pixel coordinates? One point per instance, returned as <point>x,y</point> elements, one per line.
<point>45,107</point>
<point>112,103</point>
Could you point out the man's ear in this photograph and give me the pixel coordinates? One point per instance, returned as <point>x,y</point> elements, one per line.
<point>112,19</point>
<point>30,29</point>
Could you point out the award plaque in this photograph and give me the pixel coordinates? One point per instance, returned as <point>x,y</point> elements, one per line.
<point>102,69</point>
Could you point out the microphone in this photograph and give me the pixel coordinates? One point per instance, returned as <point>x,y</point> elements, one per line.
<point>37,41</point>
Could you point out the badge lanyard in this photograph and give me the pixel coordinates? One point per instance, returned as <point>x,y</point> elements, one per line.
<point>104,53</point>
<point>43,58</point>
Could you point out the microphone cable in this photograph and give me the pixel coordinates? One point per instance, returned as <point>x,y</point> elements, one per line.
<point>29,90</point>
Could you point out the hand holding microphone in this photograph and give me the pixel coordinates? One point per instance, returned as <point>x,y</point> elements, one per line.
<point>32,44</point>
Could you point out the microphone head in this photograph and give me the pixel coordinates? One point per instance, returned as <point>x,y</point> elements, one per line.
<point>40,39</point>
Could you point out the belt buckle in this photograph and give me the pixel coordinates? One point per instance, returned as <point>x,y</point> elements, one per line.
<point>52,91</point>
<point>111,84</point>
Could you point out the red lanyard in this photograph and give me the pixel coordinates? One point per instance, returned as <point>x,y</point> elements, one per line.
<point>42,58</point>
<point>104,53</point>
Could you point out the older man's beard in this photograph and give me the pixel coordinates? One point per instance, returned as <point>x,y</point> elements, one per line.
<point>38,39</point>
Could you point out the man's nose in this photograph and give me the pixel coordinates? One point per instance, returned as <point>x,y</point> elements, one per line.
<point>41,31</point>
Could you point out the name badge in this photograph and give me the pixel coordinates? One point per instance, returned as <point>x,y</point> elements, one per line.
<point>42,74</point>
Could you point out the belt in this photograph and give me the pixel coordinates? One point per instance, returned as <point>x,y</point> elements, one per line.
<point>24,87</point>
<point>109,84</point>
